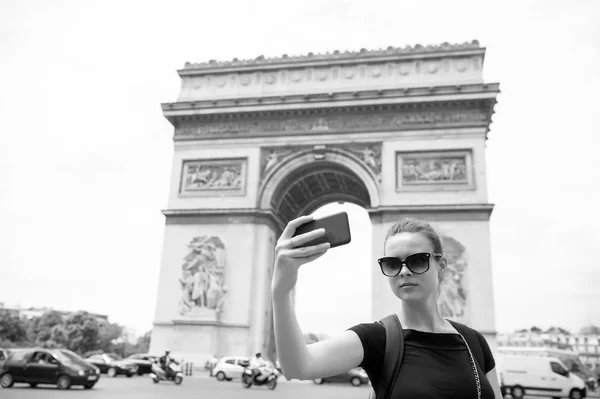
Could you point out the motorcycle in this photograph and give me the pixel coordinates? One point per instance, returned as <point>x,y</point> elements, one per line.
<point>249,378</point>
<point>175,374</point>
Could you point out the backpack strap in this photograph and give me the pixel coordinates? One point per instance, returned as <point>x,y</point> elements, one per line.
<point>394,353</point>
<point>473,342</point>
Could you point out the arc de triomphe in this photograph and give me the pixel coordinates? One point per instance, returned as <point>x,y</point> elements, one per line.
<point>399,131</point>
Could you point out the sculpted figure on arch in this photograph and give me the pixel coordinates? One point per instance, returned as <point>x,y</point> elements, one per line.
<point>439,361</point>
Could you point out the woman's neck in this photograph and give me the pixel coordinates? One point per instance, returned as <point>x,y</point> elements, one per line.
<point>423,316</point>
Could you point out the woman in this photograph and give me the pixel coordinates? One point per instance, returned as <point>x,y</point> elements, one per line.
<point>436,361</point>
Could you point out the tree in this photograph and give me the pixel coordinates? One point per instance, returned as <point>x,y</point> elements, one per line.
<point>12,327</point>
<point>108,335</point>
<point>143,343</point>
<point>82,332</point>
<point>536,330</point>
<point>40,328</point>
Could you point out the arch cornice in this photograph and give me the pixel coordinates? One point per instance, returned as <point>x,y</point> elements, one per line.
<point>277,176</point>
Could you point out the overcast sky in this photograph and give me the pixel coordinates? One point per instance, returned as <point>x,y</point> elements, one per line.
<point>85,153</point>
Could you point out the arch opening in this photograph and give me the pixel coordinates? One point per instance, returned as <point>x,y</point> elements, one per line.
<point>334,292</point>
<point>311,186</point>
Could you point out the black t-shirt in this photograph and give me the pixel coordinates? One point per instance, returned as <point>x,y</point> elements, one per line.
<point>434,365</point>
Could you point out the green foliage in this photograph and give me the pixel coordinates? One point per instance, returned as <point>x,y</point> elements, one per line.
<point>12,327</point>
<point>80,332</point>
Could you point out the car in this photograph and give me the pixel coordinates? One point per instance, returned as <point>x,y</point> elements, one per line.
<point>230,367</point>
<point>143,361</point>
<point>356,376</point>
<point>3,354</point>
<point>75,357</point>
<point>46,366</point>
<point>112,367</point>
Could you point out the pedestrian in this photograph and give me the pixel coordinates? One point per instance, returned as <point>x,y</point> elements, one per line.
<point>212,363</point>
<point>437,362</point>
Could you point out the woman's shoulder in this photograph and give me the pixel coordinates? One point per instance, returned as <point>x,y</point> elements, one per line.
<point>372,336</point>
<point>369,331</point>
<point>488,356</point>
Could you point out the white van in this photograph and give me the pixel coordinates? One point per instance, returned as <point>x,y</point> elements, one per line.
<point>538,376</point>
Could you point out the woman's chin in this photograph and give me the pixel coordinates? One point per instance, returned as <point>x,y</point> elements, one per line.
<point>409,296</point>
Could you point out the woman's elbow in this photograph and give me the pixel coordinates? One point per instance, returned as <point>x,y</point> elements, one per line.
<point>293,373</point>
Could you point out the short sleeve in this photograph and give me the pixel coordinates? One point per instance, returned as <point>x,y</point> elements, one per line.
<point>488,357</point>
<point>372,337</point>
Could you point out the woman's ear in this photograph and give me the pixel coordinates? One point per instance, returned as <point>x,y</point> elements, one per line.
<point>443,266</point>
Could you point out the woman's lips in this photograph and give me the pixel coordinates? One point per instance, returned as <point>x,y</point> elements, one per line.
<point>408,285</point>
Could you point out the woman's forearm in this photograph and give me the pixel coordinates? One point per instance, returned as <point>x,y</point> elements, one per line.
<point>291,348</point>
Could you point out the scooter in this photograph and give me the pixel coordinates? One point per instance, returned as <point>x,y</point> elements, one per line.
<point>175,374</point>
<point>249,378</point>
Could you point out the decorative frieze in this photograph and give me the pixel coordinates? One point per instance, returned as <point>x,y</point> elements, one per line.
<point>333,122</point>
<point>434,170</point>
<point>213,177</point>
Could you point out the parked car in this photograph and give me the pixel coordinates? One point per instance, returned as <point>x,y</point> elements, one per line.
<point>46,366</point>
<point>230,367</point>
<point>112,367</point>
<point>356,376</point>
<point>143,361</point>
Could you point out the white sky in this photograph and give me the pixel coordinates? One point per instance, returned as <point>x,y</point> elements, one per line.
<point>85,153</point>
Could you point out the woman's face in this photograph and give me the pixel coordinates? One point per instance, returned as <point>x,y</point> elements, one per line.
<point>401,246</point>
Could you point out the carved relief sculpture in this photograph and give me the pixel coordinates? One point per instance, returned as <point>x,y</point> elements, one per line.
<point>273,157</point>
<point>203,276</point>
<point>213,175</point>
<point>433,169</point>
<point>370,155</point>
<point>453,296</point>
<point>398,121</point>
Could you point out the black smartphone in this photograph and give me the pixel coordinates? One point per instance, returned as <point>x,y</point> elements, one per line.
<point>337,230</point>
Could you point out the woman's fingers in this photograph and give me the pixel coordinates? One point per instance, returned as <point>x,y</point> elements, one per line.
<point>307,252</point>
<point>291,227</point>
<point>306,237</point>
<point>315,256</point>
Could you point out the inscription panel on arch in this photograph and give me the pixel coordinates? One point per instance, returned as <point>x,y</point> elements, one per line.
<point>213,177</point>
<point>434,170</point>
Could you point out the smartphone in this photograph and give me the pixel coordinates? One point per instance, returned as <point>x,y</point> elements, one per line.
<point>337,230</point>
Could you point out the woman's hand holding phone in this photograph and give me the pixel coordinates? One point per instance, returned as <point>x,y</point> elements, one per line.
<point>289,258</point>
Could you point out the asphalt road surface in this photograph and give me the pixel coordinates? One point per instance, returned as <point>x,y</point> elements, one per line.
<point>192,388</point>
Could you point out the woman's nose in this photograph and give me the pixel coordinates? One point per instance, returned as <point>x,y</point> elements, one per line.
<point>404,271</point>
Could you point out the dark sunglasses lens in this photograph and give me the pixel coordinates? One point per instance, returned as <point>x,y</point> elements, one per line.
<point>418,263</point>
<point>390,266</point>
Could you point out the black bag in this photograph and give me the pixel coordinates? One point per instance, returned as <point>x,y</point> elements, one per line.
<point>394,353</point>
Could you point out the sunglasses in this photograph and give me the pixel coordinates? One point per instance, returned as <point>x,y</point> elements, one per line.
<point>416,263</point>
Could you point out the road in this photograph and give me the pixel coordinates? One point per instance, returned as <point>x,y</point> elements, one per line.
<point>192,388</point>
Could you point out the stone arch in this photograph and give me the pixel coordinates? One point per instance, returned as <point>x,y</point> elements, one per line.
<point>306,180</point>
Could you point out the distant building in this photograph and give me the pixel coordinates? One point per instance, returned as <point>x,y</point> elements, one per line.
<point>587,346</point>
